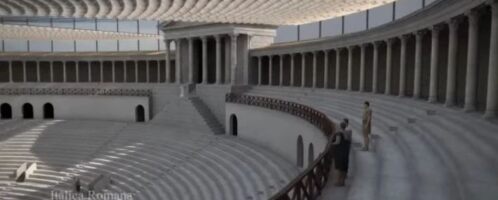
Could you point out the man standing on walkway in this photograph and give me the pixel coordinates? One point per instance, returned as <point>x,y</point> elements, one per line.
<point>367,126</point>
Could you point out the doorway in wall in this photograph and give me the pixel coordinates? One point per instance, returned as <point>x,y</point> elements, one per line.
<point>234,125</point>
<point>5,111</point>
<point>48,111</point>
<point>311,154</point>
<point>139,114</point>
<point>27,111</point>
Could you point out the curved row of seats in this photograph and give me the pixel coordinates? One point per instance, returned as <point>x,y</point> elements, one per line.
<point>149,161</point>
<point>449,155</point>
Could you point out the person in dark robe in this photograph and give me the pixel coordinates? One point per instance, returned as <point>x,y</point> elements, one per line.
<point>340,155</point>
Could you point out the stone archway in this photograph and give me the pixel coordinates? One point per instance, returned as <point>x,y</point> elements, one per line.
<point>311,154</point>
<point>48,111</point>
<point>27,111</point>
<point>234,125</point>
<point>5,111</point>
<point>139,114</point>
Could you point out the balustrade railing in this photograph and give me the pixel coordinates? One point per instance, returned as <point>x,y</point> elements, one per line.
<point>309,183</point>
<point>76,91</point>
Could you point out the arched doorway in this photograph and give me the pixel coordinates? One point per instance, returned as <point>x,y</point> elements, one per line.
<point>48,111</point>
<point>311,154</point>
<point>300,152</point>
<point>5,111</point>
<point>27,111</point>
<point>233,125</point>
<point>139,114</point>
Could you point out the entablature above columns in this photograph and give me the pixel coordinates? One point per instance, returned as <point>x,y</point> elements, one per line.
<point>436,13</point>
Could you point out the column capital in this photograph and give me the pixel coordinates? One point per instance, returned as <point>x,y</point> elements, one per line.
<point>352,47</point>
<point>453,23</point>
<point>405,37</point>
<point>390,41</point>
<point>436,29</point>
<point>217,37</point>
<point>421,33</point>
<point>473,16</point>
<point>204,38</point>
<point>234,36</point>
<point>377,43</point>
<point>365,45</point>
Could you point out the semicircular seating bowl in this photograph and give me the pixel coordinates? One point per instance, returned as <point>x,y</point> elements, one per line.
<point>449,155</point>
<point>151,162</point>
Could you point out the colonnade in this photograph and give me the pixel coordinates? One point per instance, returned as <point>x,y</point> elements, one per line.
<point>208,59</point>
<point>454,63</point>
<point>110,71</point>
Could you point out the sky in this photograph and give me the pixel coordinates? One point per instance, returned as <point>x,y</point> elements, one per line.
<point>332,27</point>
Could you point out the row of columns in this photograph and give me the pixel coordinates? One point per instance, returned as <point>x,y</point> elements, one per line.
<point>450,100</point>
<point>230,64</point>
<point>89,66</point>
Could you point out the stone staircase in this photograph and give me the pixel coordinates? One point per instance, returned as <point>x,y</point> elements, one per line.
<point>210,119</point>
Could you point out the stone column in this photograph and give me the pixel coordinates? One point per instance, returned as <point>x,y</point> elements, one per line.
<point>38,79</point>
<point>350,68</point>
<point>303,69</point>
<point>434,64</point>
<point>158,71</point>
<point>77,71</point>
<point>362,67</point>
<point>389,64</point>
<point>218,59</point>
<point>168,62</point>
<point>471,77</point>
<point>402,70</point>
<point>419,36</point>
<point>191,60</point>
<point>233,56</point>
<point>260,72</point>
<point>375,70</point>
<point>492,98</point>
<point>102,71</point>
<point>24,74</point>
<point>204,61</point>
<point>178,66</point>
<point>125,71</point>
<point>64,72</point>
<point>270,70</point>
<point>281,78</point>
<point>147,70</point>
<point>292,70</point>
<point>113,63</point>
<point>11,74</point>
<point>314,80</point>
<point>452,63</point>
<point>337,68</point>
<point>52,71</point>
<point>325,69</point>
<point>136,71</point>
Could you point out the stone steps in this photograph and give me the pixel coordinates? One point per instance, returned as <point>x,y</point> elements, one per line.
<point>151,161</point>
<point>437,146</point>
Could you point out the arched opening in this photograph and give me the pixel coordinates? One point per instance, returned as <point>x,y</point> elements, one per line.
<point>311,154</point>
<point>5,111</point>
<point>300,152</point>
<point>140,114</point>
<point>27,111</point>
<point>233,125</point>
<point>48,111</point>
